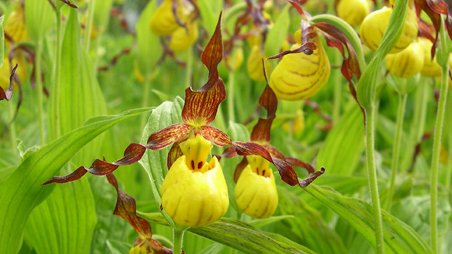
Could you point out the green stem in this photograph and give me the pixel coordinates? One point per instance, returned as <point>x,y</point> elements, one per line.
<point>89,26</point>
<point>40,91</point>
<point>12,128</point>
<point>231,83</point>
<point>337,92</point>
<point>189,69</point>
<point>437,135</point>
<point>178,240</point>
<point>372,175</point>
<point>396,148</point>
<point>442,57</point>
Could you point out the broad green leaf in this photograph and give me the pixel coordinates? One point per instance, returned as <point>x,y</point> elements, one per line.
<point>398,237</point>
<point>210,11</point>
<point>78,97</point>
<point>342,149</point>
<point>240,236</point>
<point>277,33</point>
<point>148,43</point>
<point>40,18</point>
<point>64,222</point>
<point>23,190</point>
<point>258,223</point>
<point>154,162</point>
<point>2,41</point>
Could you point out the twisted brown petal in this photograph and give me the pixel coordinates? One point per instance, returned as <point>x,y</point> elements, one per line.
<point>201,106</point>
<point>168,135</point>
<point>215,136</point>
<point>268,100</point>
<point>174,153</point>
<point>239,168</point>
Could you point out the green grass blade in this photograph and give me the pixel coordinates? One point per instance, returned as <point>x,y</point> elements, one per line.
<point>23,190</point>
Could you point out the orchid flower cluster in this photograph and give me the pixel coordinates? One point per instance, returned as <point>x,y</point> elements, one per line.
<point>194,191</point>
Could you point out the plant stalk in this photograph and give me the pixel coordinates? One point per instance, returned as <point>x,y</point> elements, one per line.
<point>39,89</point>
<point>189,70</point>
<point>437,136</point>
<point>178,240</point>
<point>372,175</point>
<point>231,83</point>
<point>395,164</point>
<point>57,70</point>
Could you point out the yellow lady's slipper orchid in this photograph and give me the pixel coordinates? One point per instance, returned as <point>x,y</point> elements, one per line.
<point>15,25</point>
<point>353,11</point>
<point>431,67</point>
<point>255,192</point>
<point>300,76</point>
<point>407,62</point>
<point>163,22</point>
<point>375,24</point>
<point>194,192</point>
<point>183,38</point>
<point>254,64</point>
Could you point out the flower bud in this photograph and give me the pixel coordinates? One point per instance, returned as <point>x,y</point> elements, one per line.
<point>299,76</point>
<point>353,11</point>
<point>254,64</point>
<point>194,192</point>
<point>407,62</point>
<point>431,67</point>
<point>255,192</point>
<point>374,26</point>
<point>183,38</point>
<point>163,22</point>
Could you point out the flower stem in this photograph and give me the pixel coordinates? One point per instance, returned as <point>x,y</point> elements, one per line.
<point>231,83</point>
<point>442,54</point>
<point>372,175</point>
<point>40,91</point>
<point>178,240</point>
<point>437,135</point>
<point>395,164</point>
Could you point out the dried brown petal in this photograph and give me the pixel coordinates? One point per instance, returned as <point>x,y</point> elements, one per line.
<point>313,174</point>
<point>168,135</point>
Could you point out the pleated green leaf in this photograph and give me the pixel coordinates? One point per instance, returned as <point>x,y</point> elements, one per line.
<point>344,144</point>
<point>398,236</point>
<point>240,236</point>
<point>64,222</point>
<point>23,189</point>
